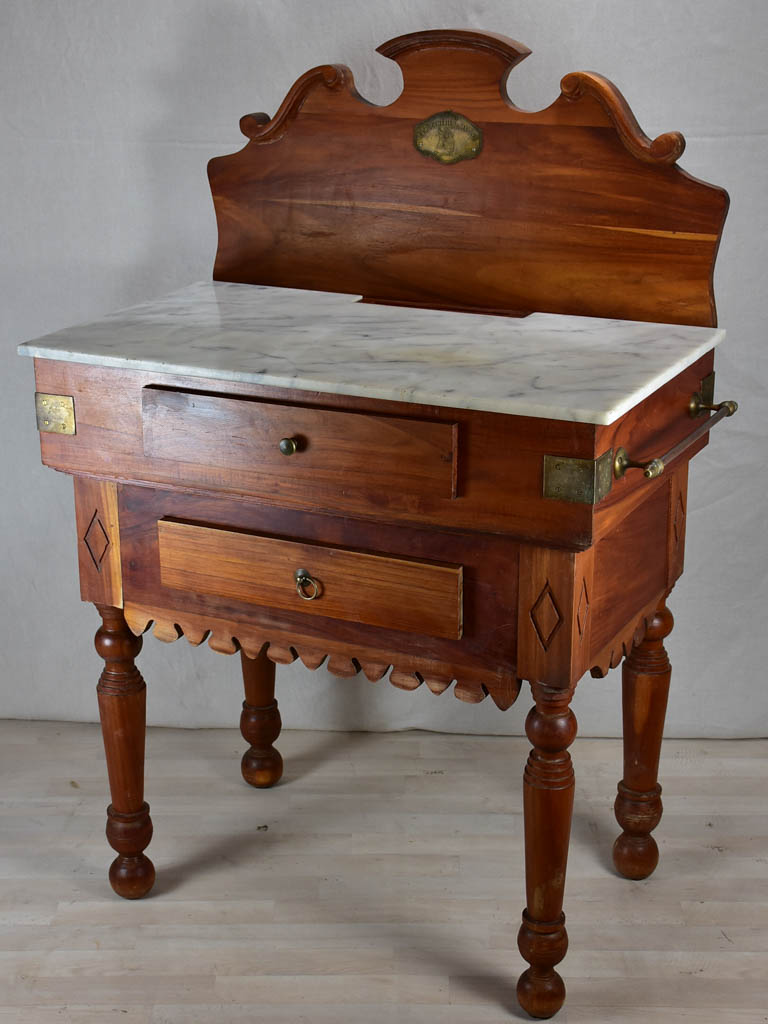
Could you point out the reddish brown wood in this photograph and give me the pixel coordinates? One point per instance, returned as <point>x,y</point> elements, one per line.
<point>631,565</point>
<point>588,605</point>
<point>98,548</point>
<point>571,209</point>
<point>260,723</point>
<point>645,687</point>
<point>548,807</point>
<point>632,584</point>
<point>666,149</point>
<point>677,518</point>
<point>490,47</point>
<point>556,594</point>
<point>484,655</point>
<point>648,430</point>
<point>335,450</point>
<point>122,699</point>
<point>378,590</point>
<point>619,646</point>
<point>493,451</point>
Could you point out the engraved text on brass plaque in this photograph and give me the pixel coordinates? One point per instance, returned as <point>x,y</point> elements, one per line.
<point>448,137</point>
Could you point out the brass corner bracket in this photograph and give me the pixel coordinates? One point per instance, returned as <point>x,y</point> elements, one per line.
<point>582,480</point>
<point>55,413</point>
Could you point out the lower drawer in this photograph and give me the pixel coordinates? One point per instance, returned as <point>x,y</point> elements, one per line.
<point>312,579</point>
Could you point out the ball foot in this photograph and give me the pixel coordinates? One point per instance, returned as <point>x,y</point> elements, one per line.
<point>262,768</point>
<point>635,857</point>
<point>540,994</point>
<point>132,877</point>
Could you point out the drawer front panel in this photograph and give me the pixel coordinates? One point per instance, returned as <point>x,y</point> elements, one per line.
<point>396,593</point>
<point>500,458</point>
<point>334,450</point>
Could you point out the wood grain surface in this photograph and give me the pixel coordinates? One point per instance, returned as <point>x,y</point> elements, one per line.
<point>261,765</point>
<point>500,458</point>
<point>98,535</point>
<point>374,589</point>
<point>481,660</point>
<point>527,611</point>
<point>335,450</point>
<point>571,209</point>
<point>645,676</point>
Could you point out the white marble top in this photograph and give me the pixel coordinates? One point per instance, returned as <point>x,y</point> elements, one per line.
<point>545,365</point>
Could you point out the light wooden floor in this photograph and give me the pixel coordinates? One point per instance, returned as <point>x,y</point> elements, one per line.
<point>381,882</point>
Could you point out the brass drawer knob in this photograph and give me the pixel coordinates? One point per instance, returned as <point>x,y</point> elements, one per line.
<point>288,446</point>
<point>307,587</point>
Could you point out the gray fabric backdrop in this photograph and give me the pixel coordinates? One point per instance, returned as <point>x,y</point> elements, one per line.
<point>110,112</point>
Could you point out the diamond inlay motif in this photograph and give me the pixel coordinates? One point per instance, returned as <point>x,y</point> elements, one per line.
<point>546,617</point>
<point>96,540</point>
<point>582,611</point>
<point>679,520</point>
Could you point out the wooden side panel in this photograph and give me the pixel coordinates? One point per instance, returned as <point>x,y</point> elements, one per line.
<point>336,450</point>
<point>98,541</point>
<point>571,209</point>
<point>351,585</point>
<point>631,563</point>
<point>650,429</point>
<point>676,521</point>
<point>585,610</point>
<point>556,596</point>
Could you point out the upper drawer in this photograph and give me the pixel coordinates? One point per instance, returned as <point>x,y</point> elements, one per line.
<point>322,449</point>
<point>390,461</point>
<point>312,579</point>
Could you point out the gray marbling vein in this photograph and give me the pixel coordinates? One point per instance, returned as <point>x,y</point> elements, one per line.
<point>545,365</point>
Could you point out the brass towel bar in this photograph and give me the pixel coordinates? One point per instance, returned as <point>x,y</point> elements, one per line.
<point>655,467</point>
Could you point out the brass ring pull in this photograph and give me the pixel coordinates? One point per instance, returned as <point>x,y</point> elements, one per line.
<point>307,587</point>
<point>655,467</point>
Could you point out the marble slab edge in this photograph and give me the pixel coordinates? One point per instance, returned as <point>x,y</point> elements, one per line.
<point>417,396</point>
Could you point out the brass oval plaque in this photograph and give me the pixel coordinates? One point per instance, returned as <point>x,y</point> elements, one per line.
<point>448,137</point>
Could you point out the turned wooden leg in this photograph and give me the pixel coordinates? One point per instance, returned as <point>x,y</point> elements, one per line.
<point>548,806</point>
<point>260,724</point>
<point>122,701</point>
<point>645,687</point>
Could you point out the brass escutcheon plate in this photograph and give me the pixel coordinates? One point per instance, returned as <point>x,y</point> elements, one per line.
<point>448,137</point>
<point>55,413</point>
